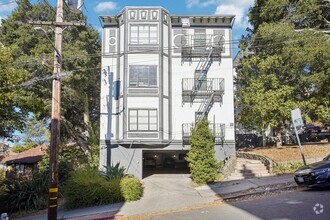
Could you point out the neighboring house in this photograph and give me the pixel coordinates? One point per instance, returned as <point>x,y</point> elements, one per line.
<point>168,72</point>
<point>24,163</point>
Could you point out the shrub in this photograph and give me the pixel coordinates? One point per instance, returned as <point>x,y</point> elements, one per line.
<point>86,187</point>
<point>2,175</point>
<point>116,171</point>
<point>19,195</point>
<point>287,167</point>
<point>201,156</point>
<point>131,188</point>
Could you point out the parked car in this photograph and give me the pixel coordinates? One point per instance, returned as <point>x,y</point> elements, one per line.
<point>315,174</point>
<point>312,129</point>
<point>150,162</point>
<point>169,163</point>
<point>308,133</point>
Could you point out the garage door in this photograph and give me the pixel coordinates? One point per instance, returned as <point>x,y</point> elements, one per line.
<point>164,161</point>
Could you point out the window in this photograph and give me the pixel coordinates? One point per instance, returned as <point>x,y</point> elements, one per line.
<point>143,76</point>
<point>143,120</point>
<point>200,39</point>
<point>144,34</point>
<point>19,168</point>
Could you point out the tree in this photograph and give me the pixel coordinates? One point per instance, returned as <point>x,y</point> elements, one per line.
<point>80,54</point>
<point>288,65</point>
<point>201,156</point>
<point>22,148</point>
<point>15,101</point>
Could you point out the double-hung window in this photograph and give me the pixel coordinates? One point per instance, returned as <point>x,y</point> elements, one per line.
<point>143,76</point>
<point>142,120</point>
<point>144,34</point>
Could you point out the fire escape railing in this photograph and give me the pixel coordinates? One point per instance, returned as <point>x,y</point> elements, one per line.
<point>206,51</point>
<point>217,129</point>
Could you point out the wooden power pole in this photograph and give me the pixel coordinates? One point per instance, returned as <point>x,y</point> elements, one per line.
<point>55,123</point>
<point>56,105</point>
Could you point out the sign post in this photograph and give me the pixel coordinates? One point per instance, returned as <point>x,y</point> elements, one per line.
<point>298,122</point>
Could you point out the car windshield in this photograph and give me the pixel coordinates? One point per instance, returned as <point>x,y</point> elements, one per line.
<point>327,158</point>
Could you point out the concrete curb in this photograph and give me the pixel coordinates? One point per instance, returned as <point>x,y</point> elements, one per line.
<point>97,216</point>
<point>284,188</point>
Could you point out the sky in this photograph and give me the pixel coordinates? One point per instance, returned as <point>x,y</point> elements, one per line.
<point>93,9</point>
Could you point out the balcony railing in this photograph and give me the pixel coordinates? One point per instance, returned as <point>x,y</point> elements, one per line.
<point>207,86</point>
<point>197,45</point>
<point>217,129</point>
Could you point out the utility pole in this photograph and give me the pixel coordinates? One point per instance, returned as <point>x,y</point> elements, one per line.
<point>55,123</point>
<point>56,104</point>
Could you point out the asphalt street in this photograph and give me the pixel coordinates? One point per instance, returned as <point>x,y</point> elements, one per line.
<point>306,204</point>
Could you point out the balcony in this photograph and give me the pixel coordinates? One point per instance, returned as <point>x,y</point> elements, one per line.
<point>196,46</point>
<point>217,129</point>
<point>205,87</point>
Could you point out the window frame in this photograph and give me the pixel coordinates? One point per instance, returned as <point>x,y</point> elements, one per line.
<point>139,40</point>
<point>138,83</point>
<point>149,123</point>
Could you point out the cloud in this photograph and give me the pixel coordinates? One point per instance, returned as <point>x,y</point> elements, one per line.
<point>7,7</point>
<point>191,3</point>
<point>241,19</point>
<point>234,7</point>
<point>206,3</point>
<point>105,6</point>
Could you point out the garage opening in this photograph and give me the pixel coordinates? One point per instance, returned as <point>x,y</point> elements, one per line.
<point>164,162</point>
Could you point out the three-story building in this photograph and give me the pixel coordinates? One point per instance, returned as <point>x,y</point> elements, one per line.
<point>161,73</point>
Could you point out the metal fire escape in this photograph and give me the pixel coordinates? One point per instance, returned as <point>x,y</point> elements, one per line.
<point>202,89</point>
<point>201,70</point>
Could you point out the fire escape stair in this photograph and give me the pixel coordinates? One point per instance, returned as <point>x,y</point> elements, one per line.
<point>201,72</point>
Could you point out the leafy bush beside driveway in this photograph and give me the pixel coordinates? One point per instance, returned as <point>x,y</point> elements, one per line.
<point>88,187</point>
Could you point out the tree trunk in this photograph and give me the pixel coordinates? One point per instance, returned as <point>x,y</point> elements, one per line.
<point>278,132</point>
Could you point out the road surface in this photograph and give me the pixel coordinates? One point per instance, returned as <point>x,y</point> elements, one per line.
<point>306,204</point>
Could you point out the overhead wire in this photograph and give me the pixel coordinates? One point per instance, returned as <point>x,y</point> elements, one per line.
<point>165,49</point>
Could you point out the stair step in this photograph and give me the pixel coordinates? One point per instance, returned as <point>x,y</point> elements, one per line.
<point>249,171</point>
<point>250,165</point>
<point>249,162</point>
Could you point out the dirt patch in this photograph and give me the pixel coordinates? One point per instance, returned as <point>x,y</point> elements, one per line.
<point>292,153</point>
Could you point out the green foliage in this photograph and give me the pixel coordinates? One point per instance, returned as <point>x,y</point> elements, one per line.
<point>116,171</point>
<point>286,68</point>
<point>20,148</point>
<point>33,52</point>
<point>70,158</point>
<point>15,102</point>
<point>201,156</point>
<point>86,187</point>
<point>301,14</point>
<point>131,188</point>
<point>35,132</point>
<point>287,167</point>
<point>24,194</point>
<point>2,175</point>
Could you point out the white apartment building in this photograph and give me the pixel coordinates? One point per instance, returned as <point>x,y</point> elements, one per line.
<point>160,74</point>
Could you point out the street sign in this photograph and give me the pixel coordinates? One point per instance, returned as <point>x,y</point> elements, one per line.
<point>298,123</point>
<point>296,118</point>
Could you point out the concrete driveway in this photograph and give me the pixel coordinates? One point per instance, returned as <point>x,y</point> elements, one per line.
<point>165,192</point>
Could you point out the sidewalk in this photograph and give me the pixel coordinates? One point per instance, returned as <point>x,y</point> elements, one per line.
<point>165,193</point>
<point>224,188</point>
